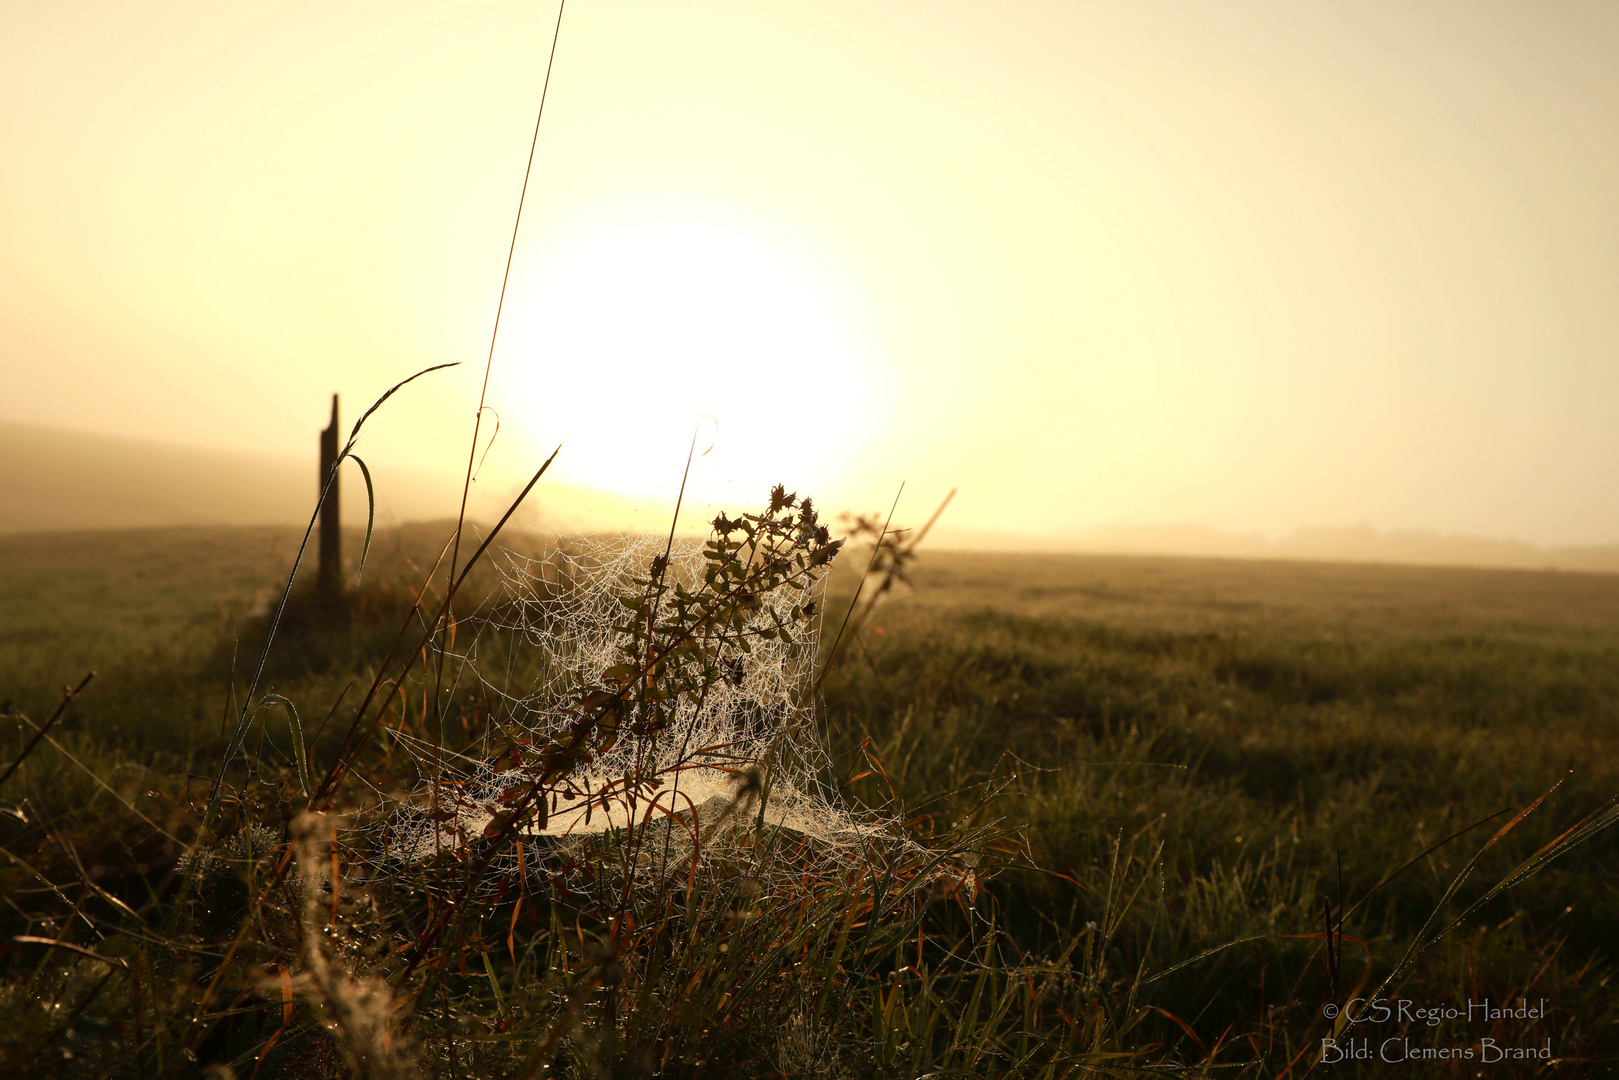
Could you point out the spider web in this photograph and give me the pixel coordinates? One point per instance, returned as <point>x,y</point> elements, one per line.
<point>744,759</point>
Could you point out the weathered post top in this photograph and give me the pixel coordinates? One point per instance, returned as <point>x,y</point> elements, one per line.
<point>329,580</point>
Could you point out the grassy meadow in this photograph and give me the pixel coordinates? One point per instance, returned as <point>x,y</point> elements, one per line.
<point>1152,774</point>
<point>1328,718</point>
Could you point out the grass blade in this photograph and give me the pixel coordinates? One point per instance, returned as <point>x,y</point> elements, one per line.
<point>370,514</point>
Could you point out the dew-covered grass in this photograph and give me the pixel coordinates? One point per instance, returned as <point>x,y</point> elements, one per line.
<point>1114,767</point>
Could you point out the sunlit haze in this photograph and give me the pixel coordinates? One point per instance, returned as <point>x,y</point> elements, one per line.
<point>1242,267</point>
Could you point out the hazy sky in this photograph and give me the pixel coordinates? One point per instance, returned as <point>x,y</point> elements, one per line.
<point>1243,265</point>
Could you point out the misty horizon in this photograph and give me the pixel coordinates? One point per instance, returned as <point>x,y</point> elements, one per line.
<point>62,480</point>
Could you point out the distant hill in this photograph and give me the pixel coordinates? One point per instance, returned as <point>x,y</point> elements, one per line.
<point>1357,544</point>
<point>1365,544</point>
<point>51,479</point>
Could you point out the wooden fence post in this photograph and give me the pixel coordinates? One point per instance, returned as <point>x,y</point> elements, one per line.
<point>329,580</point>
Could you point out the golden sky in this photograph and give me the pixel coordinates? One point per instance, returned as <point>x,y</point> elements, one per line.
<point>1244,265</point>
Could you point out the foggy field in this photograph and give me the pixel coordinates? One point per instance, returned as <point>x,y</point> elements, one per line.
<point>1248,708</point>
<point>1181,753</point>
<point>72,601</point>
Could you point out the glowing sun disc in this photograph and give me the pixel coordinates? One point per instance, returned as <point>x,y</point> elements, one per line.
<point>630,333</point>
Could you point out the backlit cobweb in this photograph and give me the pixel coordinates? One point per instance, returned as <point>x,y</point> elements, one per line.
<point>559,610</point>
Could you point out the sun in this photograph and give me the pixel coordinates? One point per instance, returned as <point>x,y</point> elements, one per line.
<point>635,335</point>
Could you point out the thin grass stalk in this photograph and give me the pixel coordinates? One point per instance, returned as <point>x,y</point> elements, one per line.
<point>41,732</point>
